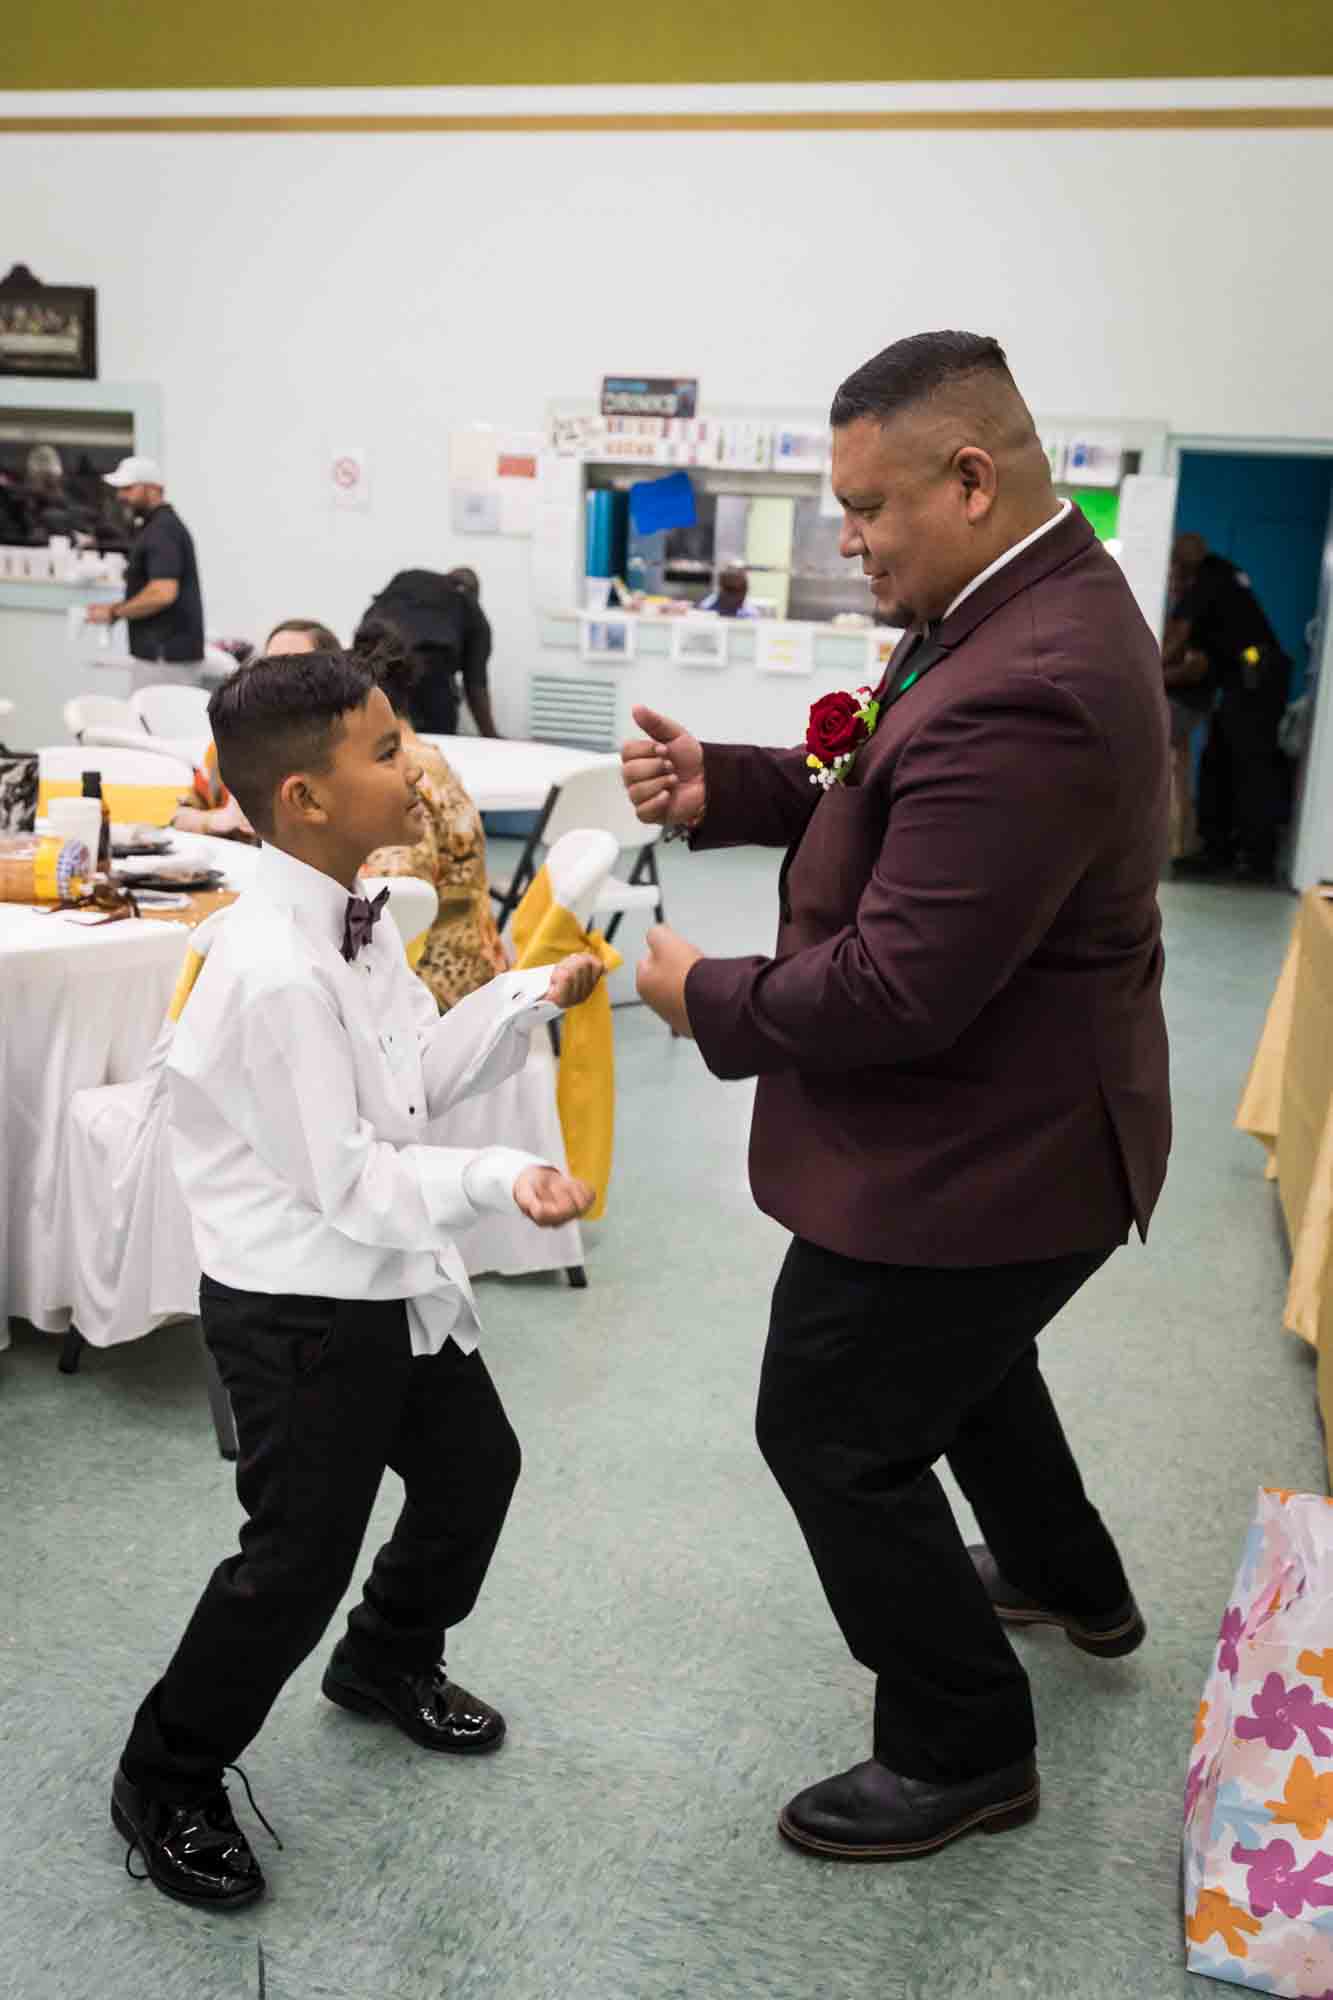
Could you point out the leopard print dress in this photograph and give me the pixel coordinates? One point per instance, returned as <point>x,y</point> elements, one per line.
<point>463,948</point>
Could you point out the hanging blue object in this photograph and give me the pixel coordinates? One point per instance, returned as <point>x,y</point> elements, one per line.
<point>658,504</point>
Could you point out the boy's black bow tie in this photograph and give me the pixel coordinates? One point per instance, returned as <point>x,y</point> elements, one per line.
<point>360,920</point>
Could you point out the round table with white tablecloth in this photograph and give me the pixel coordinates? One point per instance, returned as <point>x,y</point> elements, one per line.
<point>82,1005</point>
<point>503,774</point>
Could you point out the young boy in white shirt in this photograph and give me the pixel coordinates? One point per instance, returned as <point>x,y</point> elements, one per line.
<point>304,1074</point>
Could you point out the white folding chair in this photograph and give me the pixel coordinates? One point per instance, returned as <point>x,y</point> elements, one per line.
<point>140,785</point>
<point>171,711</point>
<point>579,865</point>
<point>101,711</point>
<point>131,1245</point>
<point>183,749</point>
<point>592,799</point>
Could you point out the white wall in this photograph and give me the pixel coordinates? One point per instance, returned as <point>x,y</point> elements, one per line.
<point>291,293</point>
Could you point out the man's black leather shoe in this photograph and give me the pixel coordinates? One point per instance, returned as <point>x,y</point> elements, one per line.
<point>871,1814</point>
<point>193,1852</point>
<point>430,1708</point>
<point>1119,1632</point>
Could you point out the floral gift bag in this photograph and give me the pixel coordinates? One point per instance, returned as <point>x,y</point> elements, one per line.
<point>1258,1865</point>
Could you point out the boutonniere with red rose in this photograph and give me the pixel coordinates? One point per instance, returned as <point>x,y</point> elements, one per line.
<point>839,726</point>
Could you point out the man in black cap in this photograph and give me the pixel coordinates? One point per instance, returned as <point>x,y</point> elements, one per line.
<point>162,606</point>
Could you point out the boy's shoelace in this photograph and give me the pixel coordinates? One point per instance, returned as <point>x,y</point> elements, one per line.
<point>136,1845</point>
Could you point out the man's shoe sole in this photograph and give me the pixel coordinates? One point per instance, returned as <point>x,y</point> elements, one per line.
<point>358,1703</point>
<point>128,1832</point>
<point>1001,1818</point>
<point>1111,1644</point>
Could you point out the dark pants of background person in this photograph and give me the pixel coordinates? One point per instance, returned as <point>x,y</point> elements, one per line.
<point>326,1394</point>
<point>873,1372</point>
<point>434,702</point>
<point>1244,781</point>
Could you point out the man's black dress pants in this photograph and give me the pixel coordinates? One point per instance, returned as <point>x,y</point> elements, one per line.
<point>874,1372</point>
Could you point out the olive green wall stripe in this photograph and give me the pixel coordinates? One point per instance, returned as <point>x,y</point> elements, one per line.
<point>1210,119</point>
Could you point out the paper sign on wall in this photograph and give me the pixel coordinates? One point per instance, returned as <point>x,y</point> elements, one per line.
<point>782,648</point>
<point>557,533</point>
<point>349,478</point>
<point>881,644</point>
<point>474,510</point>
<point>493,479</point>
<point>1147,522</point>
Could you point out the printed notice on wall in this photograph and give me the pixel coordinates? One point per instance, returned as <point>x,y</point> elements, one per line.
<point>493,478</point>
<point>783,648</point>
<point>1147,521</point>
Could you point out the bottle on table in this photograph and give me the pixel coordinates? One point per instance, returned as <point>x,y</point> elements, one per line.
<point>92,789</point>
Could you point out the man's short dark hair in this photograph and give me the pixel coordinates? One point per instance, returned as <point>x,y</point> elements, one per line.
<point>912,370</point>
<point>274,717</point>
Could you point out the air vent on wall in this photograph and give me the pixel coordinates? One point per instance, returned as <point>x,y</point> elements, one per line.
<point>564,709</point>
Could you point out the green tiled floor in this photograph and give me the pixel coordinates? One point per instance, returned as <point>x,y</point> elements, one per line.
<point>652,1626</point>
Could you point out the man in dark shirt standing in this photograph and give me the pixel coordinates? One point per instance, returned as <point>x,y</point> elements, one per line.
<point>162,604</point>
<point>1217,638</point>
<point>440,621</point>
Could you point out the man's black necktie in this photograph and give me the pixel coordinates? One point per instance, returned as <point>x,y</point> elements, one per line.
<point>360,920</point>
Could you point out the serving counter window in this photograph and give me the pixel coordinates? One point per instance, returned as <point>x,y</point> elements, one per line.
<point>52,464</point>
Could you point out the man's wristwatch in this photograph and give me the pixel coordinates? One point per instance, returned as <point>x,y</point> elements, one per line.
<point>684,832</point>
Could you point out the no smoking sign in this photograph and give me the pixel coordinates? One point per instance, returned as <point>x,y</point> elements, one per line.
<point>350,479</point>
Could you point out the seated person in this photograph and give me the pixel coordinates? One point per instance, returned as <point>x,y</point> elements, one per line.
<point>463,948</point>
<point>728,600</point>
<point>210,808</point>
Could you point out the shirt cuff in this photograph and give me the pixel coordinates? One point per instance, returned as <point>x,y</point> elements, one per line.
<point>524,992</point>
<point>488,1180</point>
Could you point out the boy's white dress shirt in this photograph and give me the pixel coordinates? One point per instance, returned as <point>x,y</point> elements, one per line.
<point>302,1093</point>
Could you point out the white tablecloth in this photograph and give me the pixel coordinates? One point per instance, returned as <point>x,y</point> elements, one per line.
<point>503,775</point>
<point>78,1006</point>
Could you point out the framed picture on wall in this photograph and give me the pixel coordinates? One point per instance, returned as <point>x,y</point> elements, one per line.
<point>607,636</point>
<point>699,642</point>
<point>47,330</point>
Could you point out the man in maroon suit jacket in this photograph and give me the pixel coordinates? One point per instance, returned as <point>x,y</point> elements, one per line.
<point>962,1105</point>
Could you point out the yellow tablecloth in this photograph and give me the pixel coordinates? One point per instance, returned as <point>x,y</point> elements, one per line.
<point>1288,1104</point>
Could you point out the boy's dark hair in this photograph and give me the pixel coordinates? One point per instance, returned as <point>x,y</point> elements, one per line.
<point>386,654</point>
<point>274,717</point>
<point>911,370</point>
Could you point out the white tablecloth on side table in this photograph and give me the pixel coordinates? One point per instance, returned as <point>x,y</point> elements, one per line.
<point>78,1006</point>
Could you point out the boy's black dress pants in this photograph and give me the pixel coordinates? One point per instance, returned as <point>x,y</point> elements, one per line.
<point>326,1394</point>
